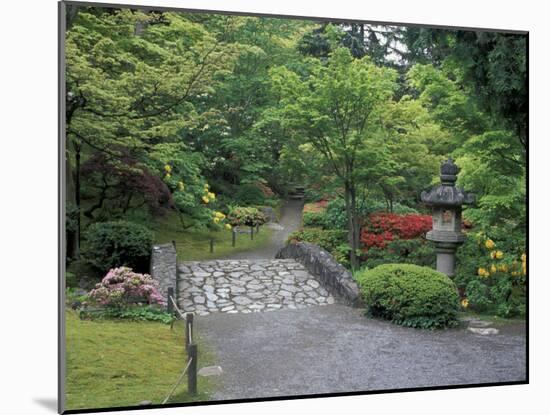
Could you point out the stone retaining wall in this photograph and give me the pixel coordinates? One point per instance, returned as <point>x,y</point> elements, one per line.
<point>335,278</point>
<point>164,267</point>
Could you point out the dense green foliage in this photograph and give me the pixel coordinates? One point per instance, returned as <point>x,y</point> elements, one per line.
<point>407,251</point>
<point>334,241</point>
<point>191,115</point>
<point>135,313</point>
<point>409,295</point>
<point>118,243</point>
<point>493,279</point>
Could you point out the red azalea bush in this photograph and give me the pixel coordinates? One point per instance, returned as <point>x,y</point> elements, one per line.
<point>381,228</point>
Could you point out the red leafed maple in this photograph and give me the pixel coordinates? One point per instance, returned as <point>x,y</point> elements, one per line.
<point>381,228</point>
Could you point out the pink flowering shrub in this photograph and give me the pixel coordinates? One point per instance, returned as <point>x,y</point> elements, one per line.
<point>121,286</point>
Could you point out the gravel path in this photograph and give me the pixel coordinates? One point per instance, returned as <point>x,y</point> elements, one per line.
<point>291,220</point>
<point>336,349</point>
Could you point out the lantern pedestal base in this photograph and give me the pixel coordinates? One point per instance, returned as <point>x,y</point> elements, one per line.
<point>445,261</point>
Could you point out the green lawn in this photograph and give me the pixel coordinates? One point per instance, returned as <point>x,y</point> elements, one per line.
<point>121,363</point>
<point>194,245</point>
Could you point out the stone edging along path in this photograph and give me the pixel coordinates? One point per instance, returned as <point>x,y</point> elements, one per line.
<point>333,276</point>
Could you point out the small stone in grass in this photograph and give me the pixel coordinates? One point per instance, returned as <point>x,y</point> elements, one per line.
<point>210,371</point>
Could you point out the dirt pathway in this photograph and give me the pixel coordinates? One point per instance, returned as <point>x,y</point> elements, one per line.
<point>291,220</point>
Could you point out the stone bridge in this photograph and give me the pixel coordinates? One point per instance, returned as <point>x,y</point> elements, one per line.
<point>303,275</point>
<point>232,286</point>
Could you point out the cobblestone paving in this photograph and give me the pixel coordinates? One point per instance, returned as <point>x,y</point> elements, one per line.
<point>246,286</point>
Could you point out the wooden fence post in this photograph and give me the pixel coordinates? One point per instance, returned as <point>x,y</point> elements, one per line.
<point>192,354</point>
<point>233,237</point>
<point>169,303</point>
<point>188,330</point>
<point>252,233</point>
<point>211,245</point>
<point>258,228</point>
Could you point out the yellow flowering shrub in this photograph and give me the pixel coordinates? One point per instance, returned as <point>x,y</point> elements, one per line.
<point>489,244</point>
<point>490,273</point>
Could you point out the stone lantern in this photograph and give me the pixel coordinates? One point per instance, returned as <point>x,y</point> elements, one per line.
<point>446,201</point>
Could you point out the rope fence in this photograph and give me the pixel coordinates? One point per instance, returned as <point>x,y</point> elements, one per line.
<point>191,348</point>
<point>210,242</point>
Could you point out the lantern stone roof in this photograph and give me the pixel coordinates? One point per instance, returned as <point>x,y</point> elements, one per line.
<point>447,194</point>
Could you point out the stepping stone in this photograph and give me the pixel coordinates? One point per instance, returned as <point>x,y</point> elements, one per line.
<point>211,296</point>
<point>230,307</point>
<point>199,299</point>
<point>237,290</point>
<point>483,332</point>
<point>256,296</point>
<point>313,283</point>
<point>201,274</point>
<point>479,323</point>
<point>210,371</point>
<point>290,288</point>
<point>241,300</point>
<point>284,293</point>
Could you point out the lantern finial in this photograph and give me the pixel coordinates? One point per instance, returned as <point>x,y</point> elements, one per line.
<point>449,170</point>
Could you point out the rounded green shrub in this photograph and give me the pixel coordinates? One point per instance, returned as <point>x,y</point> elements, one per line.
<point>409,295</point>
<point>313,219</point>
<point>118,243</point>
<point>246,216</point>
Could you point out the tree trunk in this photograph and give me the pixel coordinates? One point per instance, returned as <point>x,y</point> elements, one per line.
<point>72,248</point>
<point>350,199</point>
<point>77,192</point>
